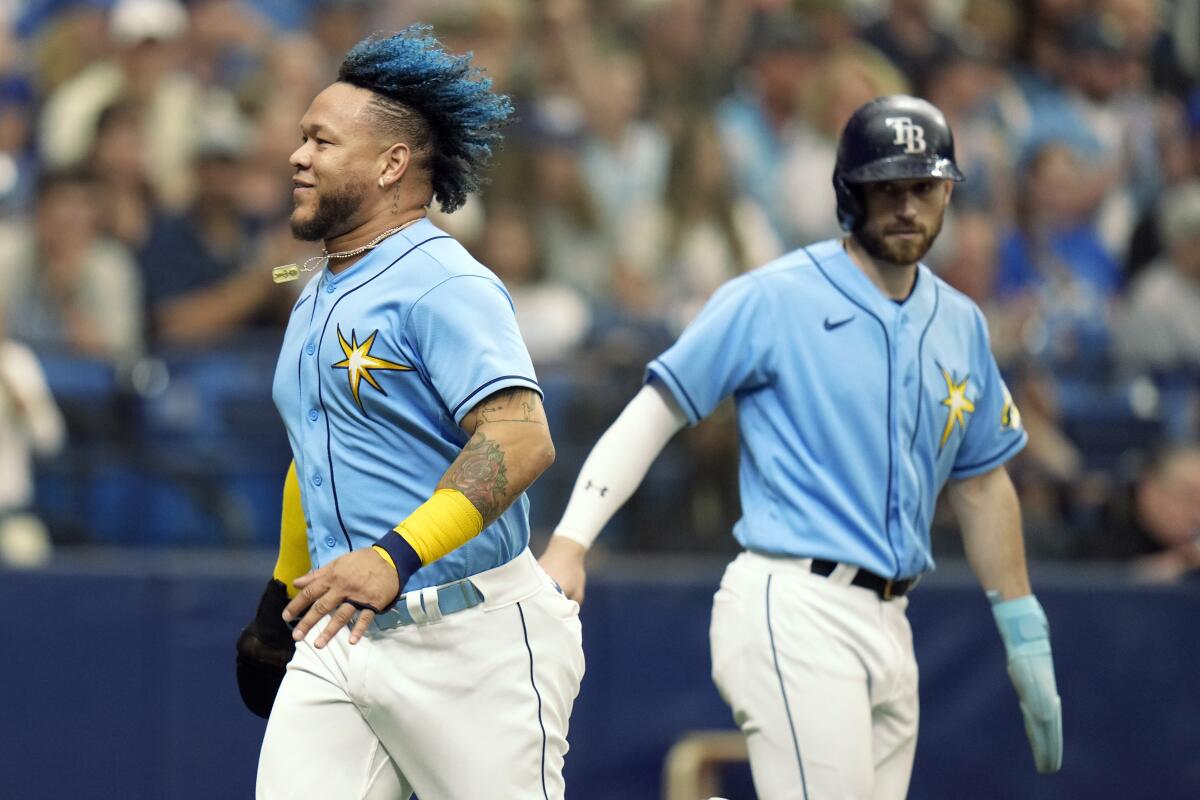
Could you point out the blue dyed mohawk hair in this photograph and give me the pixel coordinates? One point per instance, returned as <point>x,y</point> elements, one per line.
<point>438,103</point>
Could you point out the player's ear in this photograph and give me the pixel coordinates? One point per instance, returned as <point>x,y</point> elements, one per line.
<point>395,162</point>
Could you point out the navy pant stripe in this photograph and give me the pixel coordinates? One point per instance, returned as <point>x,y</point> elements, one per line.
<point>783,691</point>
<point>542,725</point>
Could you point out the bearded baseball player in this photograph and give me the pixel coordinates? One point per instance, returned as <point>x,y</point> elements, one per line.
<point>863,386</point>
<point>432,653</point>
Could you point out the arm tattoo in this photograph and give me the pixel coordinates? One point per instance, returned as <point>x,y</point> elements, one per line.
<point>481,475</point>
<point>512,405</point>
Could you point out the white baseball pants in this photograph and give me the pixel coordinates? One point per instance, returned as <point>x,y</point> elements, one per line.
<point>475,705</point>
<point>821,678</point>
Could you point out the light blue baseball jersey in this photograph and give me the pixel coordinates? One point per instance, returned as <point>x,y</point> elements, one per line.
<point>853,410</point>
<point>378,366</point>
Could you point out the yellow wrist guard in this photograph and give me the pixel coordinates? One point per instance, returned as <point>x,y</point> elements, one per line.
<point>442,523</point>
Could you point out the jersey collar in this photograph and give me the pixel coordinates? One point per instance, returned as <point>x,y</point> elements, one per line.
<point>384,254</point>
<point>851,281</point>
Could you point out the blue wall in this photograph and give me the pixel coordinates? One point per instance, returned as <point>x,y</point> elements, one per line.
<point>117,683</point>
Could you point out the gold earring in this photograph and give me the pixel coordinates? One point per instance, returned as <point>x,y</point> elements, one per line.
<point>381,183</point>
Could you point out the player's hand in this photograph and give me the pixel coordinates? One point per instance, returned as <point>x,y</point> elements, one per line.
<point>563,561</point>
<point>360,582</point>
<point>1026,635</point>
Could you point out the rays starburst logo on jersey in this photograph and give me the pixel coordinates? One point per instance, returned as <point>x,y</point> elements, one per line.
<point>957,404</point>
<point>1010,415</point>
<point>359,362</point>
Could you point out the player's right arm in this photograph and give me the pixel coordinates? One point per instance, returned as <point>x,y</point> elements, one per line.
<point>610,475</point>
<point>728,347</point>
<point>265,646</point>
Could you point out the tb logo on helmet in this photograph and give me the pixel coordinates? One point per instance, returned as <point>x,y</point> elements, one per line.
<point>908,134</point>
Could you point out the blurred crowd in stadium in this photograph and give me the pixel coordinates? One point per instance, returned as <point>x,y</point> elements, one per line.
<point>662,147</point>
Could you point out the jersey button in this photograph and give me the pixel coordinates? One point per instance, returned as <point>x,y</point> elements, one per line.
<point>312,348</point>
<point>329,287</point>
<point>313,414</point>
<point>316,479</point>
<point>330,541</point>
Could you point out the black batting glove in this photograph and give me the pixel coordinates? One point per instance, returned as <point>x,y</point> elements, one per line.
<point>263,651</point>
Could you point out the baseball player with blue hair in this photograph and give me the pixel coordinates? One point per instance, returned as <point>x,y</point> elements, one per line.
<point>863,386</point>
<point>432,653</point>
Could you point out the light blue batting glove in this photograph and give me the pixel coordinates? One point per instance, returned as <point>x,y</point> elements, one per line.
<point>1026,635</point>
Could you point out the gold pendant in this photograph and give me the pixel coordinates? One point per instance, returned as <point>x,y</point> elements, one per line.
<point>285,273</point>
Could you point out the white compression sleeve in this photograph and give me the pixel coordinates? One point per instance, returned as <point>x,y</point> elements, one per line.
<point>618,462</point>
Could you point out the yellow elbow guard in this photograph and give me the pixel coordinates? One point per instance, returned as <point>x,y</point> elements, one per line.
<point>442,523</point>
<point>293,535</point>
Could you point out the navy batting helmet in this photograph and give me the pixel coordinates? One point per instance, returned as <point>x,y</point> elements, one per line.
<point>889,139</point>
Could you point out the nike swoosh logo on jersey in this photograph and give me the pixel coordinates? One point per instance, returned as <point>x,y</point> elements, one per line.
<point>831,325</point>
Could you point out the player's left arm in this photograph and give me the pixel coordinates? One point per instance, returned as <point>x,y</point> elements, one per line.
<point>510,446</point>
<point>990,516</point>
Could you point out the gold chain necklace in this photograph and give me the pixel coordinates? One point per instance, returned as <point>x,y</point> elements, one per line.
<point>291,272</point>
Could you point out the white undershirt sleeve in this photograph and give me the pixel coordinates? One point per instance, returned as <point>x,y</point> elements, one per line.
<point>619,461</point>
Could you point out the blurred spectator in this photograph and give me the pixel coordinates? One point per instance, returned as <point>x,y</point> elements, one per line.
<point>1041,60</point>
<point>843,79</point>
<point>832,22</point>
<point>118,159</point>
<point>758,122</point>
<point>339,24</point>
<point>1160,326</point>
<point>962,82</point>
<point>704,233</point>
<point>30,425</point>
<point>910,37</point>
<point>494,31</point>
<point>1155,523</point>
<point>291,68</point>
<point>566,217</point>
<point>1182,26</point>
<point>553,317</point>
<point>689,48</point>
<point>17,163</point>
<point>64,39</point>
<point>1178,129</point>
<point>66,286</point>
<point>205,277</point>
<point>1054,265</point>
<point>970,264</point>
<point>1157,30</point>
<point>146,70</point>
<point>1109,97</point>
<point>225,40</point>
<point>993,26</point>
<point>624,156</point>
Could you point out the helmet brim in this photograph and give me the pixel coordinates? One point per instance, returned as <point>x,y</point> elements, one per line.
<point>903,168</point>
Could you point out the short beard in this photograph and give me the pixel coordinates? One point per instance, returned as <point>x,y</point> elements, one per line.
<point>333,211</point>
<point>902,253</point>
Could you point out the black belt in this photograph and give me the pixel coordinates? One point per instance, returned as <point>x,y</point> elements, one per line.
<point>886,588</point>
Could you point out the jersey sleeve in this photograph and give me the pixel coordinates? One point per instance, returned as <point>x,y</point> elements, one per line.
<point>727,348</point>
<point>995,433</point>
<point>465,331</point>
